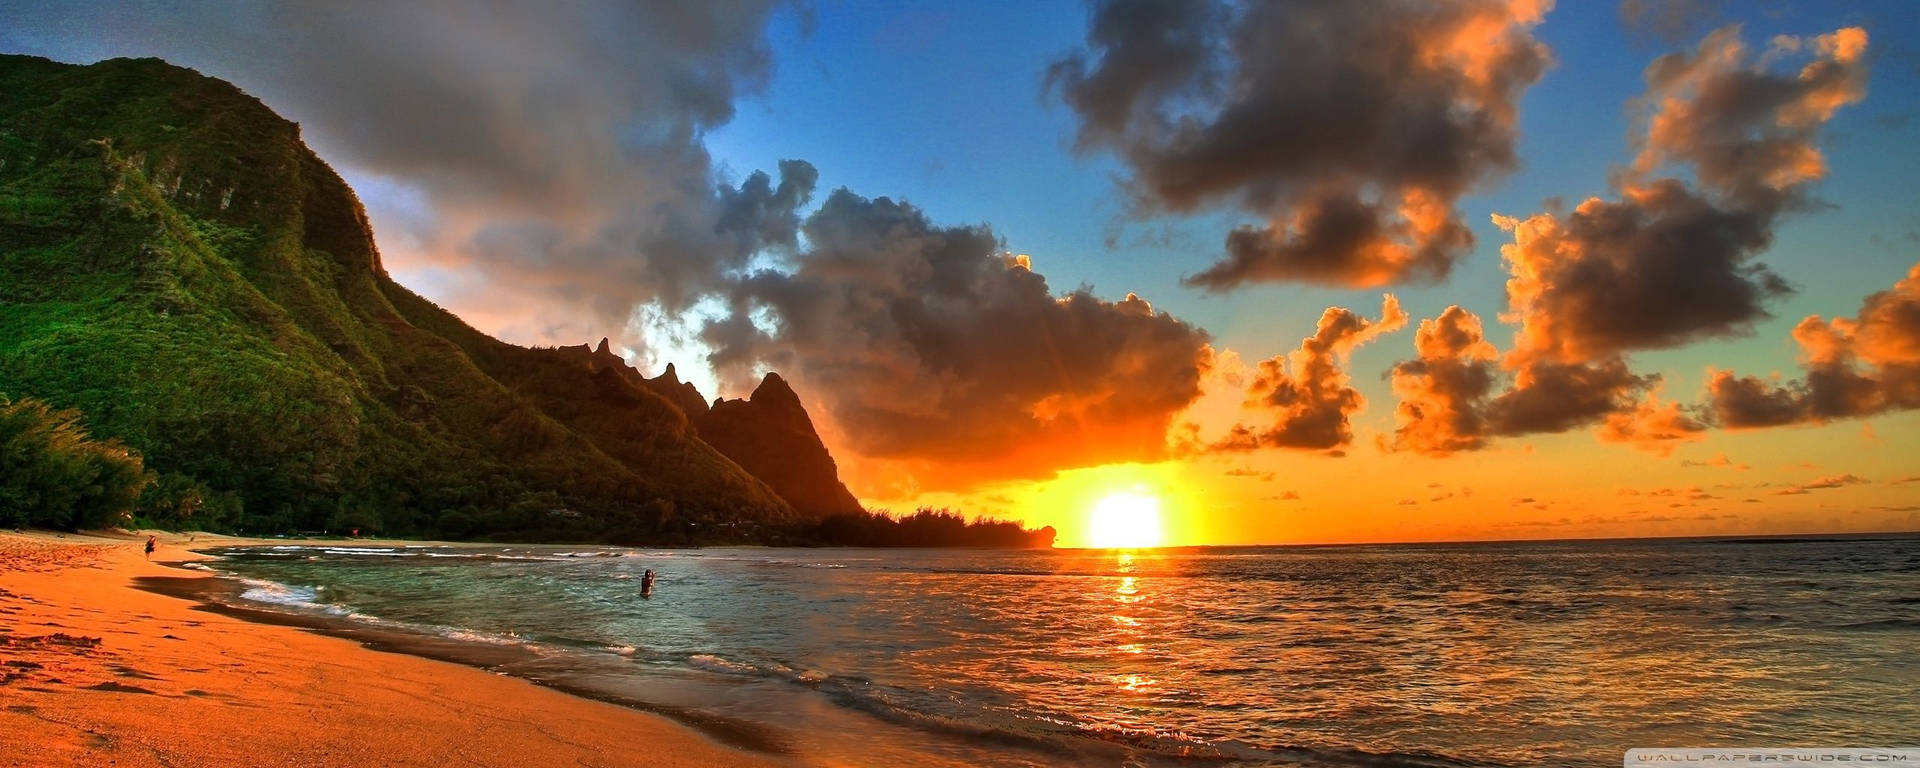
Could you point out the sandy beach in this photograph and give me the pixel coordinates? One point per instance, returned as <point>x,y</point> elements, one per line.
<point>94,671</point>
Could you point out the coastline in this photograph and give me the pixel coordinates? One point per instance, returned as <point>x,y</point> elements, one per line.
<point>95,669</point>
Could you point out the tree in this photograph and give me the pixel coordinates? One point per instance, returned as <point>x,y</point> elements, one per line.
<point>52,474</point>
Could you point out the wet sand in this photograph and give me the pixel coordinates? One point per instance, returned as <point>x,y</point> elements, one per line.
<point>95,670</point>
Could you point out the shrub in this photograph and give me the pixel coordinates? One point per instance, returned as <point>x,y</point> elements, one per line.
<point>53,475</point>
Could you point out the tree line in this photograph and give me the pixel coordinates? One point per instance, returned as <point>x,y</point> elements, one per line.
<point>53,474</point>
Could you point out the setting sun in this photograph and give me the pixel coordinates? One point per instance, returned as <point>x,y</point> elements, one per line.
<point>1125,520</point>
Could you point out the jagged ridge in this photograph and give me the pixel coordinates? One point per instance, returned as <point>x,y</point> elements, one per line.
<point>769,435</point>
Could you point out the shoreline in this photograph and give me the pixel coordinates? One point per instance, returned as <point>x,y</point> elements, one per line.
<point>108,654</point>
<point>221,595</point>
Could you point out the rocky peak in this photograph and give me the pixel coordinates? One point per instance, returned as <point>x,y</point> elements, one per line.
<point>681,393</point>
<point>774,391</point>
<point>770,436</point>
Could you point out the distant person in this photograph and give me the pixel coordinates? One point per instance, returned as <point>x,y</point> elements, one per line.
<point>152,542</point>
<point>646,584</point>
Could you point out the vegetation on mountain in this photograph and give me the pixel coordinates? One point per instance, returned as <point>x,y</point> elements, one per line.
<point>53,475</point>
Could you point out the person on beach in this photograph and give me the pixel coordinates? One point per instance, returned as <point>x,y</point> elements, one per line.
<point>152,541</point>
<point>646,584</point>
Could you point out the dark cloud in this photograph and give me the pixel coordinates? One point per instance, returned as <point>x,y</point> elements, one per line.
<point>552,155</point>
<point>932,344</point>
<point>1307,392</point>
<point>1351,128</point>
<point>1658,269</point>
<point>1556,397</point>
<point>1750,132</point>
<point>1853,367</point>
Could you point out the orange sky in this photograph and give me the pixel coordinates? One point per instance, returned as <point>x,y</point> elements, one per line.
<point>1557,486</point>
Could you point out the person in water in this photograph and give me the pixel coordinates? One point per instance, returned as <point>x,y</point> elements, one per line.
<point>646,584</point>
<point>152,541</point>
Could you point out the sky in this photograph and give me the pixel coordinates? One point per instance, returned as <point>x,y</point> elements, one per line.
<point>1300,272</point>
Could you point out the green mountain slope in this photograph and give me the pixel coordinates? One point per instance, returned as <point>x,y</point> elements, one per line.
<point>178,266</point>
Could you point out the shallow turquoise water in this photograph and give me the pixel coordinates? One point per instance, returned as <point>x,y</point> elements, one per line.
<point>1472,654</point>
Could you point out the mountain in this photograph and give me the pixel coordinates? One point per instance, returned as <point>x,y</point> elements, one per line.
<point>176,265</point>
<point>770,435</point>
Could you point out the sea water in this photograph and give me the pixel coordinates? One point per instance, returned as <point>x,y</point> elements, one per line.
<point>1516,654</point>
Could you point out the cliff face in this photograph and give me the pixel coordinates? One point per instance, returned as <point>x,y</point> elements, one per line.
<point>770,435</point>
<point>178,266</point>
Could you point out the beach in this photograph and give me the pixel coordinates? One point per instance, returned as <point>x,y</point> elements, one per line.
<point>94,671</point>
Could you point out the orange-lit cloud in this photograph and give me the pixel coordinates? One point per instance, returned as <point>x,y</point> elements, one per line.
<point>1448,399</point>
<point>1443,391</point>
<point>1653,425</point>
<point>1307,393</point>
<point>1854,367</point>
<point>1666,263</point>
<point>1351,128</point>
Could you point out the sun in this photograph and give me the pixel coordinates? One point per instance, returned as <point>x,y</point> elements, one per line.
<point>1125,520</point>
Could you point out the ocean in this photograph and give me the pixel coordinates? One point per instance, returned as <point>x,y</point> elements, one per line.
<point>1498,654</point>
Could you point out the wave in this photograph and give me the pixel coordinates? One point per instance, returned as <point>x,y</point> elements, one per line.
<point>274,593</point>
<point>714,663</point>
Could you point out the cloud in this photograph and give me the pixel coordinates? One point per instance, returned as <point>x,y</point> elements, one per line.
<point>1665,263</point>
<point>1718,460</point>
<point>1443,391</point>
<point>1352,129</point>
<point>1853,367</point>
<point>545,158</point>
<point>1689,493</point>
<point>931,345</point>
<point>1307,392</point>
<point>1654,425</point>
<point>1830,481</point>
<point>1669,20</point>
<point>1658,269</point>
<point>1556,397</point>
<point>1447,402</point>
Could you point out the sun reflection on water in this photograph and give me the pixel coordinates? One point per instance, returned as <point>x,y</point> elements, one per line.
<point>1131,646</point>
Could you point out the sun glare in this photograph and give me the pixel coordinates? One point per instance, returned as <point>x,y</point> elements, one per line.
<point>1126,520</point>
